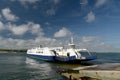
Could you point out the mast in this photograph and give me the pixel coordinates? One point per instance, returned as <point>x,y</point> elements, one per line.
<point>71,44</point>
<point>71,40</point>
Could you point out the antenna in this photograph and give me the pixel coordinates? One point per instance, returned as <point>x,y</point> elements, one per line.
<point>72,45</point>
<point>71,40</point>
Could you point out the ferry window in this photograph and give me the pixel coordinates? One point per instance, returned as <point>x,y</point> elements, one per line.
<point>40,52</point>
<point>68,54</point>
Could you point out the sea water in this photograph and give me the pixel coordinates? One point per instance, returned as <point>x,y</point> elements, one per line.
<point>17,66</point>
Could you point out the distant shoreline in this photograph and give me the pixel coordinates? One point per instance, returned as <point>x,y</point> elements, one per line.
<point>12,50</point>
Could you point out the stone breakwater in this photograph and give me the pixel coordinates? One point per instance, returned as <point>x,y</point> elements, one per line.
<point>107,71</point>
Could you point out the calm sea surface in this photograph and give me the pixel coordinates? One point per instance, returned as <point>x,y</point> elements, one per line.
<point>17,66</point>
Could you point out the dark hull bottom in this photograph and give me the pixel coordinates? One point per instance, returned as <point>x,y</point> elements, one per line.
<point>73,61</point>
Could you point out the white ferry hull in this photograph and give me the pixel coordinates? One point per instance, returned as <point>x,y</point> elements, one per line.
<point>42,57</point>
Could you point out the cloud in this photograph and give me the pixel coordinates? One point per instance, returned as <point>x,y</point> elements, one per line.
<point>88,39</point>
<point>100,3</point>
<point>1,26</point>
<point>51,11</point>
<point>83,2</point>
<point>90,17</point>
<point>18,30</point>
<point>0,17</point>
<point>35,29</point>
<point>53,7</point>
<point>27,1</point>
<point>94,44</point>
<point>90,42</point>
<point>8,15</point>
<point>11,43</point>
<point>64,32</point>
<point>49,42</point>
<point>55,1</point>
<point>24,28</point>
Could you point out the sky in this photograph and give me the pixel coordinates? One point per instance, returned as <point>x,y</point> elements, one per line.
<point>94,24</point>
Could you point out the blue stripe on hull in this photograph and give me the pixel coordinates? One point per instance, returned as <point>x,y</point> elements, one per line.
<point>46,58</point>
<point>65,59</point>
<point>59,59</point>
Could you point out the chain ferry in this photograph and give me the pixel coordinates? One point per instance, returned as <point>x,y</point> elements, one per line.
<point>61,54</point>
